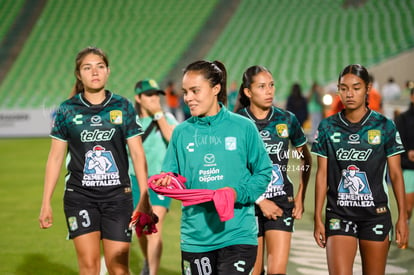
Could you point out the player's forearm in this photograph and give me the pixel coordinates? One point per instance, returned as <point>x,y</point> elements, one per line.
<point>399,194</point>
<point>397,180</point>
<point>52,173</point>
<point>305,171</point>
<point>320,195</point>
<point>53,168</point>
<point>320,188</point>
<point>140,168</point>
<point>165,128</point>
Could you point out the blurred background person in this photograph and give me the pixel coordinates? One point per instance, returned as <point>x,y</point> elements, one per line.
<point>390,91</point>
<point>297,103</point>
<point>316,108</point>
<point>158,126</point>
<point>405,95</point>
<point>405,125</point>
<point>172,98</point>
<point>374,97</point>
<point>232,96</point>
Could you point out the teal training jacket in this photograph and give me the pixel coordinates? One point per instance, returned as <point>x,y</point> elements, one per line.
<point>213,152</point>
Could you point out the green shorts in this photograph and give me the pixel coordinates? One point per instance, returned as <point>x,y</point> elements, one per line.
<point>408,180</point>
<point>156,199</point>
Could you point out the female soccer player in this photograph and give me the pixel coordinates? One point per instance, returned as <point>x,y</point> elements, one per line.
<point>95,126</point>
<point>277,208</point>
<point>216,149</point>
<point>354,149</point>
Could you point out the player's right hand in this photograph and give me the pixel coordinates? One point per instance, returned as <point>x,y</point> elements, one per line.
<point>270,209</point>
<point>319,234</point>
<point>46,217</point>
<point>163,181</point>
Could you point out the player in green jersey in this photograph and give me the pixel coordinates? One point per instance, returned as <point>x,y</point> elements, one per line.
<point>277,208</point>
<point>355,147</point>
<point>92,129</point>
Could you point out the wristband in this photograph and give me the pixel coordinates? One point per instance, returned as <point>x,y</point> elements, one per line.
<point>158,115</point>
<point>261,198</point>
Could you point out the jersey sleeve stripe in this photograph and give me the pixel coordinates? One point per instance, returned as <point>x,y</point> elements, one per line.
<point>303,143</point>
<point>395,153</point>
<point>58,138</point>
<point>319,155</point>
<point>139,134</point>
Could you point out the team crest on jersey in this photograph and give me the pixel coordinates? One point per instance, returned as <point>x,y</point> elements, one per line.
<point>100,168</point>
<point>230,143</point>
<point>187,267</point>
<point>282,130</point>
<point>73,224</point>
<point>353,189</point>
<point>374,136</point>
<point>275,187</point>
<point>398,138</point>
<point>334,224</point>
<point>115,116</point>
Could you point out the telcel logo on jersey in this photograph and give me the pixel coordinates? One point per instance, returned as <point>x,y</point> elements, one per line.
<point>353,154</point>
<point>96,135</point>
<point>273,149</point>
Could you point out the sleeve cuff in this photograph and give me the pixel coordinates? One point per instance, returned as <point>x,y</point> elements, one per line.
<point>261,198</point>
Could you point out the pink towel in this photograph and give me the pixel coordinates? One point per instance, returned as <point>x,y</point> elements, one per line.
<point>223,198</point>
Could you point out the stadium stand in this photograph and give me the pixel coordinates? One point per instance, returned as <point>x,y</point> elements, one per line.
<point>8,13</point>
<point>297,40</point>
<point>142,38</point>
<point>18,18</point>
<point>313,41</point>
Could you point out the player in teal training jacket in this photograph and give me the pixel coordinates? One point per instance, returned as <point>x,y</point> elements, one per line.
<point>217,149</point>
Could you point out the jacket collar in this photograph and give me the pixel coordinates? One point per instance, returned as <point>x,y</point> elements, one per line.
<point>211,120</point>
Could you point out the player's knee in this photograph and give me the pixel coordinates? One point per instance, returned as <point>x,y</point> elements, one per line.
<point>89,267</point>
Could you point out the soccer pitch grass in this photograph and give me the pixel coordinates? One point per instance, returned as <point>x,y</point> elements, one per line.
<point>27,249</point>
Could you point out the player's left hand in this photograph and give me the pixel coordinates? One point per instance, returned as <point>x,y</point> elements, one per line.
<point>298,210</point>
<point>401,233</point>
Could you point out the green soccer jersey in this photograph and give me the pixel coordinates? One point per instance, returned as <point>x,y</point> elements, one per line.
<point>357,155</point>
<point>214,152</point>
<point>276,130</point>
<point>155,145</point>
<point>97,160</point>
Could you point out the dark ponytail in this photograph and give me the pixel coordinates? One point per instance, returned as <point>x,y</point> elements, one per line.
<point>247,81</point>
<point>215,72</point>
